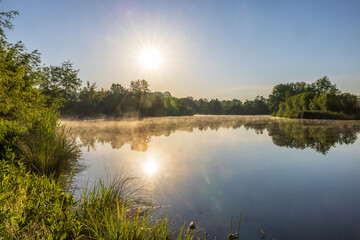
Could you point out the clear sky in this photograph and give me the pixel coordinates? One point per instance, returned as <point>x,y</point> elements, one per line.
<point>213,49</point>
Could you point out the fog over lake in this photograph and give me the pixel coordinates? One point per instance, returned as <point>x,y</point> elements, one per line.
<point>294,179</point>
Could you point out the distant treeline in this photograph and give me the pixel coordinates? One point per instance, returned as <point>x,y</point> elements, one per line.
<point>61,84</point>
<point>320,99</point>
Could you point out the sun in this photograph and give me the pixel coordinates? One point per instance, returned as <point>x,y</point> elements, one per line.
<point>150,58</point>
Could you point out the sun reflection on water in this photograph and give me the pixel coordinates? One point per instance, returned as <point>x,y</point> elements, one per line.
<point>150,166</point>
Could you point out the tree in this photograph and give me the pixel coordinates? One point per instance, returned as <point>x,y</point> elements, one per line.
<point>323,85</point>
<point>215,107</point>
<point>139,87</point>
<point>315,91</point>
<point>60,81</point>
<point>5,22</point>
<point>278,95</point>
<point>117,89</point>
<point>18,74</point>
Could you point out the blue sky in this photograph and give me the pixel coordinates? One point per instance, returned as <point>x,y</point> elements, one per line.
<point>224,49</point>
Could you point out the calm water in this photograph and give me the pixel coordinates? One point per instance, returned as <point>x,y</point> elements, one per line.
<point>293,179</point>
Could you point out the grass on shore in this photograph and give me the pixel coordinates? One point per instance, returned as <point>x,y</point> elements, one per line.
<point>37,207</point>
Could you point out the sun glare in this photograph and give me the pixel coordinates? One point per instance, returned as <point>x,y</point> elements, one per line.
<point>150,58</point>
<point>150,166</point>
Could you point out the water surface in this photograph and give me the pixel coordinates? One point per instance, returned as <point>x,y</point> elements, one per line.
<point>294,179</point>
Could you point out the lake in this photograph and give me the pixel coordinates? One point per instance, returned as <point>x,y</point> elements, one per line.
<point>293,179</point>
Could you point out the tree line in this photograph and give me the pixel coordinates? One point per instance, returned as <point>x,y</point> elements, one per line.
<point>320,99</point>
<point>61,84</point>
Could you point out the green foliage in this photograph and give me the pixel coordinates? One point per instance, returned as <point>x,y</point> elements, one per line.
<point>47,148</point>
<point>139,87</point>
<point>117,89</point>
<point>323,101</point>
<point>27,128</point>
<point>138,101</point>
<point>10,131</point>
<point>295,104</point>
<point>343,102</point>
<point>258,106</point>
<point>283,91</point>
<point>18,72</point>
<point>5,22</point>
<point>60,81</point>
<point>215,107</point>
<point>34,207</point>
<point>324,115</point>
<point>117,210</point>
<point>323,85</point>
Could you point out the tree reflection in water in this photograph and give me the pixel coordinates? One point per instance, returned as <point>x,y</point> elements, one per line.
<point>320,135</point>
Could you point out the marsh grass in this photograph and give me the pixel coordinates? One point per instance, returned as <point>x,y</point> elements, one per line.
<point>48,148</point>
<point>118,209</point>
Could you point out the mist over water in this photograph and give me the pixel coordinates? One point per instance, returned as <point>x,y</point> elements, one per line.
<point>294,179</point>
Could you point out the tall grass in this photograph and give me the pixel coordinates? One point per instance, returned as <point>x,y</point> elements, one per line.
<point>118,209</point>
<point>101,202</point>
<point>36,207</point>
<point>47,148</point>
